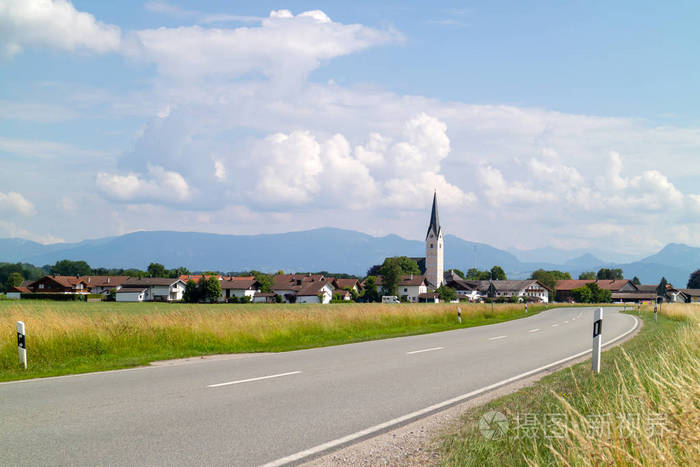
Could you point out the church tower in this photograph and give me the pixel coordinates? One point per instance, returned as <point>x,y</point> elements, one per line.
<point>434,249</point>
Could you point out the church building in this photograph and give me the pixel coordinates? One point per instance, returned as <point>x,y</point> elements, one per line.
<point>434,249</point>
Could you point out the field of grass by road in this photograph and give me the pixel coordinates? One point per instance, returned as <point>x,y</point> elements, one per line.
<point>75,337</point>
<point>642,409</point>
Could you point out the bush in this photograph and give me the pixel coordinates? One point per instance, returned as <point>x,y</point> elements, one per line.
<point>232,299</point>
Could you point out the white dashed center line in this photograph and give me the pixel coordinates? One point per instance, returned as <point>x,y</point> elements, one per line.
<point>534,330</point>
<point>425,350</point>
<point>253,379</point>
<point>554,325</point>
<point>497,337</point>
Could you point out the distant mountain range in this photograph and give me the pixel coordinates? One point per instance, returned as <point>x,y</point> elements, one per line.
<point>333,250</point>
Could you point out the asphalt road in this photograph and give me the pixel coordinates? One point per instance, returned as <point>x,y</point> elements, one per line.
<point>267,408</point>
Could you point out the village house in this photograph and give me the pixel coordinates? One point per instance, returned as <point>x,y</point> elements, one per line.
<point>409,287</point>
<point>151,289</point>
<point>59,284</point>
<point>239,287</point>
<point>303,288</point>
<point>525,290</point>
<point>103,284</point>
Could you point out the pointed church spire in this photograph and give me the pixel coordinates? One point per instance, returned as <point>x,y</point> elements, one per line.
<point>434,218</point>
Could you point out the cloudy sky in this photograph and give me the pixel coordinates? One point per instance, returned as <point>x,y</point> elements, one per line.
<point>538,125</point>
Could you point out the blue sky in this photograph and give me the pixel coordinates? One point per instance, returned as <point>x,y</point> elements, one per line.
<point>575,122</point>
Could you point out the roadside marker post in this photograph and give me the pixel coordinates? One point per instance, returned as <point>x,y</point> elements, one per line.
<point>597,338</point>
<point>21,344</point>
<point>459,315</point>
<point>655,306</point>
<point>639,309</point>
<point>525,308</point>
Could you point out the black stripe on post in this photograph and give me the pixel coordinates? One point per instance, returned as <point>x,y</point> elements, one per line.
<point>597,327</point>
<point>20,341</point>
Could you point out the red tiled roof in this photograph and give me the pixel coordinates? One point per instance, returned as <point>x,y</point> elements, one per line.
<point>571,284</point>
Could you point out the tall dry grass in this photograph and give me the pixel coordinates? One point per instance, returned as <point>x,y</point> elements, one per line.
<point>68,336</point>
<point>644,409</point>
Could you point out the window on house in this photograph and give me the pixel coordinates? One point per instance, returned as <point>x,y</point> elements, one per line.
<point>405,289</point>
<point>431,245</point>
<point>41,286</point>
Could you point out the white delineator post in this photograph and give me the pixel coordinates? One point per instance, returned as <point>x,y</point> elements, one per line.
<point>597,338</point>
<point>459,315</point>
<point>21,345</point>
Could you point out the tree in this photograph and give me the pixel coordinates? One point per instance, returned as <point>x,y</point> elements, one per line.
<point>407,265</point>
<point>67,267</point>
<point>177,272</point>
<point>157,270</point>
<point>694,280</point>
<point>582,295</point>
<point>370,293</point>
<point>549,278</point>
<point>661,288</point>
<point>447,294</point>
<point>391,273</point>
<point>636,281</point>
<point>191,294</point>
<point>498,274</point>
<point>599,295</point>
<point>211,290</point>
<point>266,281</point>
<point>474,274</point>
<point>609,274</point>
<point>15,280</point>
<point>589,275</point>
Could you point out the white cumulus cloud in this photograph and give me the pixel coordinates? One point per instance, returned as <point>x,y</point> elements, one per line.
<point>283,46</point>
<point>13,202</point>
<point>54,24</point>
<point>161,186</point>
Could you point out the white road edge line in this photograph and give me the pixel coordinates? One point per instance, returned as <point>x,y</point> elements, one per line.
<point>425,350</point>
<point>253,379</point>
<point>382,426</point>
<point>497,337</point>
<point>534,330</point>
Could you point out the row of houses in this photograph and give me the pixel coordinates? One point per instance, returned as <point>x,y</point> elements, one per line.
<point>291,288</point>
<point>624,290</point>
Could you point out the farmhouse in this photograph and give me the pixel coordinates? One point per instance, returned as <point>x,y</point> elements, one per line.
<point>59,284</point>
<point>528,290</point>
<point>151,289</point>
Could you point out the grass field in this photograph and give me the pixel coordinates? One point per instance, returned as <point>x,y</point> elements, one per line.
<point>75,337</point>
<point>642,409</point>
